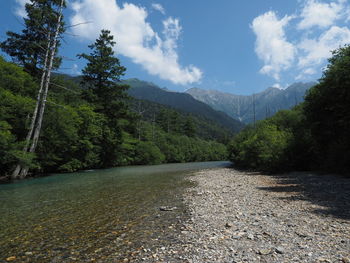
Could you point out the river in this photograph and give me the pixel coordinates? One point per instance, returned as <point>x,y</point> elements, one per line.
<point>101,215</point>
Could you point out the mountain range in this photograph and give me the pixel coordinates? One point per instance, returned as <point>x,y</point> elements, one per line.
<point>180,101</point>
<point>257,106</point>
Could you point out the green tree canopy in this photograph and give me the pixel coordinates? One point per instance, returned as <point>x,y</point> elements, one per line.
<point>28,48</point>
<point>101,76</point>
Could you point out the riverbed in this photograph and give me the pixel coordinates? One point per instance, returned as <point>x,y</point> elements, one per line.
<point>110,215</point>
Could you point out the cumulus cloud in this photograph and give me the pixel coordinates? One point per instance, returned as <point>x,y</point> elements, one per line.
<point>158,7</point>
<point>271,44</point>
<point>20,9</point>
<point>318,50</point>
<point>318,14</point>
<point>320,28</point>
<point>135,37</point>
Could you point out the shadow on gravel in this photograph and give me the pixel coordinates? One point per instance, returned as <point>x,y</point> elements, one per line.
<point>330,192</point>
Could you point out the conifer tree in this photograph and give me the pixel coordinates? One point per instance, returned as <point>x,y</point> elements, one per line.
<point>102,77</point>
<point>29,47</point>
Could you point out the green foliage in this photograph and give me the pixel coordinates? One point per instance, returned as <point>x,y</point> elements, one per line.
<point>174,121</point>
<point>15,110</point>
<point>29,48</point>
<point>182,102</point>
<point>327,110</point>
<point>80,134</point>
<point>313,135</point>
<point>100,75</point>
<point>264,148</point>
<point>148,153</point>
<point>279,143</point>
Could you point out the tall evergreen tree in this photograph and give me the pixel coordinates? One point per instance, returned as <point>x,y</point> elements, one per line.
<point>29,47</point>
<point>102,77</point>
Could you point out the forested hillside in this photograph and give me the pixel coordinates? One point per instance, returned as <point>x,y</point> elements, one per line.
<point>314,135</point>
<point>73,129</point>
<point>180,101</point>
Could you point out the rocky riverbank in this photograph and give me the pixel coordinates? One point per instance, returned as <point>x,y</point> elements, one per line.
<point>239,216</point>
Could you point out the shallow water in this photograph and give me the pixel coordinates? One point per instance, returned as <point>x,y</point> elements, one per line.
<point>94,215</point>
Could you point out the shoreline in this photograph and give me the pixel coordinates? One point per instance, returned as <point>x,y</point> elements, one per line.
<point>237,216</point>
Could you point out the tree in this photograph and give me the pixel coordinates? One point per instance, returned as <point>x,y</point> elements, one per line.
<point>189,127</point>
<point>53,30</point>
<point>29,48</point>
<point>327,110</point>
<point>101,75</point>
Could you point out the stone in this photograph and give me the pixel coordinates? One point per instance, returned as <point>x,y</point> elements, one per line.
<point>167,208</point>
<point>228,225</point>
<point>250,236</point>
<point>265,251</point>
<point>280,250</point>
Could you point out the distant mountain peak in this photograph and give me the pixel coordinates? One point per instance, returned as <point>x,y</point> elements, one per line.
<point>181,101</point>
<point>266,102</point>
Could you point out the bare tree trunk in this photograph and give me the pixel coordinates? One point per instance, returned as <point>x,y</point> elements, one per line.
<point>254,114</point>
<point>18,168</point>
<point>46,82</point>
<point>153,124</point>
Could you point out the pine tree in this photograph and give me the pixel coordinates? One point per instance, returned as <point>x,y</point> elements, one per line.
<point>102,77</point>
<point>28,48</point>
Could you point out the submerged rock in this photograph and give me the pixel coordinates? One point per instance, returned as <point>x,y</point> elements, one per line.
<point>167,208</point>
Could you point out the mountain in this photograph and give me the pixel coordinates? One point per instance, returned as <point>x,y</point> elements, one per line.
<point>181,101</point>
<point>241,107</point>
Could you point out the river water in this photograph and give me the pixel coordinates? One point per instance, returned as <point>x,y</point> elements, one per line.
<point>102,215</point>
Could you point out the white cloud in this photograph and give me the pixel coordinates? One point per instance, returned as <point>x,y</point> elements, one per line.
<point>271,44</point>
<point>317,14</point>
<point>20,9</point>
<point>316,51</point>
<point>306,74</point>
<point>135,37</point>
<point>158,7</point>
<point>321,27</point>
<point>75,70</point>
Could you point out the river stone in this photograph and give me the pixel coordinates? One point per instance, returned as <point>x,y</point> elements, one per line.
<point>167,208</point>
<point>265,251</point>
<point>280,250</point>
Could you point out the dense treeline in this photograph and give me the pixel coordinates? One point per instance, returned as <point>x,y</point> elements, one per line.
<point>314,135</point>
<point>74,135</point>
<point>173,120</point>
<point>50,124</point>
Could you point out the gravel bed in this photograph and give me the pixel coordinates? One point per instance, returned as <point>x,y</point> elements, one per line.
<point>237,216</point>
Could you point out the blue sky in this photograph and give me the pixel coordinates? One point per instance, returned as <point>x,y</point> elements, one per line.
<point>239,47</point>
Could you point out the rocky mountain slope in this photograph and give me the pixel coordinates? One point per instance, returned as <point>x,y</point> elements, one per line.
<point>241,107</point>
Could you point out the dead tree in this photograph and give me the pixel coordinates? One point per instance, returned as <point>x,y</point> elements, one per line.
<point>37,118</point>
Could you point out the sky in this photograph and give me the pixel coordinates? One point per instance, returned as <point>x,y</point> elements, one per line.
<point>240,47</point>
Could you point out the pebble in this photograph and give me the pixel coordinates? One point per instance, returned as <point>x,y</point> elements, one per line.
<point>280,250</point>
<point>279,226</point>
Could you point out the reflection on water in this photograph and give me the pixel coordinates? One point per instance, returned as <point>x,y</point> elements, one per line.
<point>99,215</point>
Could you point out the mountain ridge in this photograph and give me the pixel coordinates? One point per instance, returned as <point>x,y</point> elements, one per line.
<point>241,107</point>
<point>179,100</point>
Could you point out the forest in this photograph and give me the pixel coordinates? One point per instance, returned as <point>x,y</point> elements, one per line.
<point>55,123</point>
<point>50,123</point>
<point>314,135</point>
